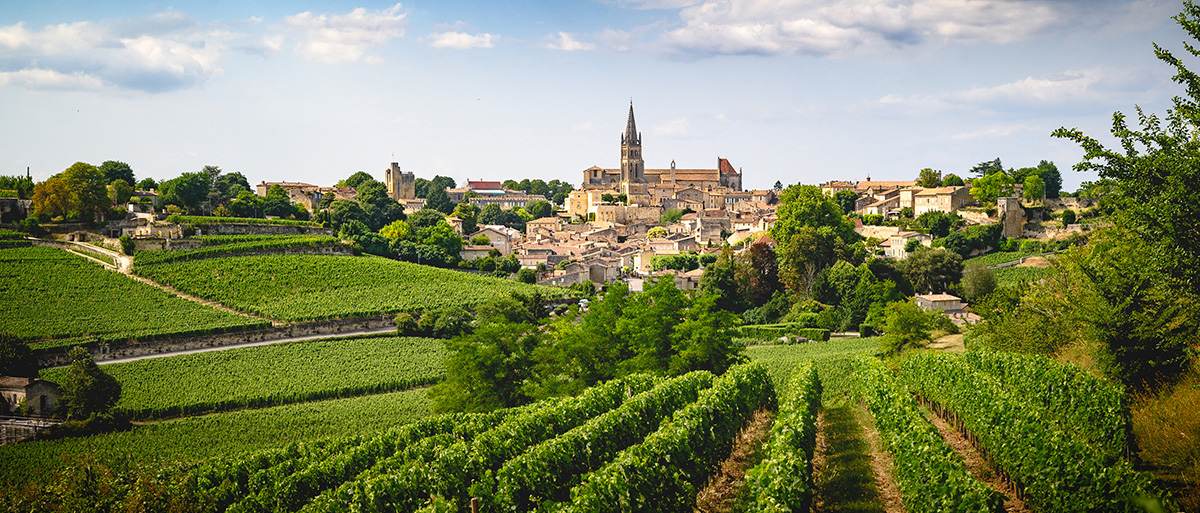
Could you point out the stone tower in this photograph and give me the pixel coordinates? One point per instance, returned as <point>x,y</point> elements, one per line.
<point>400,185</point>
<point>1012,217</point>
<point>632,167</point>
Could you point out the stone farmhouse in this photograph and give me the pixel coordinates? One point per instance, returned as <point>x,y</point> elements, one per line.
<point>38,395</point>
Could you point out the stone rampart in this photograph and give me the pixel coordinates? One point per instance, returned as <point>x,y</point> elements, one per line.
<point>260,229</point>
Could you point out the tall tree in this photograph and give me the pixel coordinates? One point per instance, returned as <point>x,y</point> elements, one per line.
<point>929,178</point>
<point>847,200</point>
<point>1034,188</point>
<point>1157,167</point>
<point>439,200</point>
<point>119,192</point>
<point>356,179</point>
<point>16,359</point>
<point>952,180</point>
<point>87,390</point>
<point>188,190</point>
<point>933,270</point>
<point>116,170</point>
<point>89,189</point>
<point>987,167</point>
<point>51,198</point>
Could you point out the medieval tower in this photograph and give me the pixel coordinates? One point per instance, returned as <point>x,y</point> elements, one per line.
<point>633,169</point>
<point>400,185</point>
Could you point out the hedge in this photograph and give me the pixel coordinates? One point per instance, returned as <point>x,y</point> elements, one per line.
<point>774,331</point>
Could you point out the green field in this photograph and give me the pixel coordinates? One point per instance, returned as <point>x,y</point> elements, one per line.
<point>273,374</point>
<point>219,434</point>
<point>47,293</point>
<point>1011,276</point>
<point>310,287</point>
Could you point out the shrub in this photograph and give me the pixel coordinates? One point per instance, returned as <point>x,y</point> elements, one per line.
<point>126,244</point>
<point>406,325</point>
<point>1068,217</point>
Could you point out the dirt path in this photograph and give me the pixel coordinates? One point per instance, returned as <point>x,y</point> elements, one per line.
<point>721,493</point>
<point>850,468</point>
<point>976,463</point>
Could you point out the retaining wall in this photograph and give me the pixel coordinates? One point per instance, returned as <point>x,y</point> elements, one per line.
<point>137,348</point>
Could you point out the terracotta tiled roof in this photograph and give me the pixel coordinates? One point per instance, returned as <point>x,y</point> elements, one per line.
<point>725,167</point>
<point>15,382</point>
<point>481,184</point>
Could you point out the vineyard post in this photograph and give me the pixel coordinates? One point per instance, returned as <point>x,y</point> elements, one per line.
<point>474,504</point>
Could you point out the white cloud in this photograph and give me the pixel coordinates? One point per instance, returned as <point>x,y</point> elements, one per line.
<point>821,27</point>
<point>46,79</point>
<point>461,40</point>
<point>158,53</point>
<point>346,37</point>
<point>995,132</point>
<point>680,127</point>
<point>1080,87</point>
<point>567,43</point>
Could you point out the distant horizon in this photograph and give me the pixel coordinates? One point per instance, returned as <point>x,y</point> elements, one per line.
<point>314,92</point>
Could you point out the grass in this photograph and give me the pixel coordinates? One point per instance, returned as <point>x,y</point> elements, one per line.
<point>312,287</point>
<point>272,374</point>
<point>847,483</point>
<point>48,294</point>
<point>221,434</point>
<point>1167,430</point>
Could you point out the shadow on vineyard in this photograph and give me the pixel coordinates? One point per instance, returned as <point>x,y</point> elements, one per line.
<point>847,484</point>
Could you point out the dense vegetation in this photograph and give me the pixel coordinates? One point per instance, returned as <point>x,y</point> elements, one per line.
<point>48,294</point>
<point>268,375</point>
<point>308,287</point>
<point>233,244</point>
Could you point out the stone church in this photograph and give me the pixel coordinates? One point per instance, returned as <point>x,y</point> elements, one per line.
<point>633,171</point>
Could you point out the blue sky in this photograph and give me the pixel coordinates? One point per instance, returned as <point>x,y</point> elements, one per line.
<point>795,91</point>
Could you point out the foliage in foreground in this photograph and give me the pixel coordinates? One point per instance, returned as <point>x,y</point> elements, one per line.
<point>783,481</point>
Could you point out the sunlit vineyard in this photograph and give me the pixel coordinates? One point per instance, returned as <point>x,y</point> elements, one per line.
<point>47,293</point>
<point>226,244</point>
<point>225,434</point>
<point>309,287</point>
<point>273,374</point>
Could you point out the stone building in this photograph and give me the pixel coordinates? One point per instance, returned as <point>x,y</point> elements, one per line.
<point>39,396</point>
<point>633,179</point>
<point>401,185</point>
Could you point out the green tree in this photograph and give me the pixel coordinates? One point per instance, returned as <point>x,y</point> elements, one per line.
<point>939,224</point>
<point>1051,176</point>
<point>326,200</point>
<point>906,326</point>
<point>147,184</point>
<point>977,281</point>
<point>987,167</point>
<point>846,200</point>
<point>952,180</point>
<point>539,209</point>
<point>985,190</point>
<point>380,208</point>
<point>189,190</point>
<point>87,390</point>
<point>929,178</point>
<point>724,281</point>
<point>807,252</point>
<point>119,192</point>
<point>932,270</point>
<point>1035,188</point>
<point>22,184</point>
<point>488,369</point>
<point>806,205</point>
<point>396,231</point>
<point>1156,169</point>
<point>356,179</point>
<point>442,236</point>
<point>425,218</point>
<point>467,213</point>
<point>16,359</point>
<point>670,216</point>
<point>345,211</point>
<point>89,189</point>
<point>438,199</point>
<point>116,170</point>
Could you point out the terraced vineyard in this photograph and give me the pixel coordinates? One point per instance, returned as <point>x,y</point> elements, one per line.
<point>216,245</point>
<point>56,298</point>
<point>311,287</point>
<point>273,374</point>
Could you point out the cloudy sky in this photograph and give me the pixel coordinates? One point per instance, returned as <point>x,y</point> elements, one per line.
<point>789,90</point>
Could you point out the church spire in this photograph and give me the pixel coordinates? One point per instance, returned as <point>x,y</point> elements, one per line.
<point>631,134</point>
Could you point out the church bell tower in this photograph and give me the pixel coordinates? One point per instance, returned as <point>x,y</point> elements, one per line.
<point>632,167</point>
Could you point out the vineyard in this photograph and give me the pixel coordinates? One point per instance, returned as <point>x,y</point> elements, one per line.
<point>204,220</point>
<point>1011,276</point>
<point>273,374</point>
<point>216,245</point>
<point>314,287</point>
<point>56,298</point>
<point>194,439</point>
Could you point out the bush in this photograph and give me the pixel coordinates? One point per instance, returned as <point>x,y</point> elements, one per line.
<point>95,423</point>
<point>1068,217</point>
<point>126,244</point>
<point>406,325</point>
<point>527,276</point>
<point>30,225</point>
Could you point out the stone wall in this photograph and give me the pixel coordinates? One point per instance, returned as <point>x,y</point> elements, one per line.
<point>133,349</point>
<point>260,229</point>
